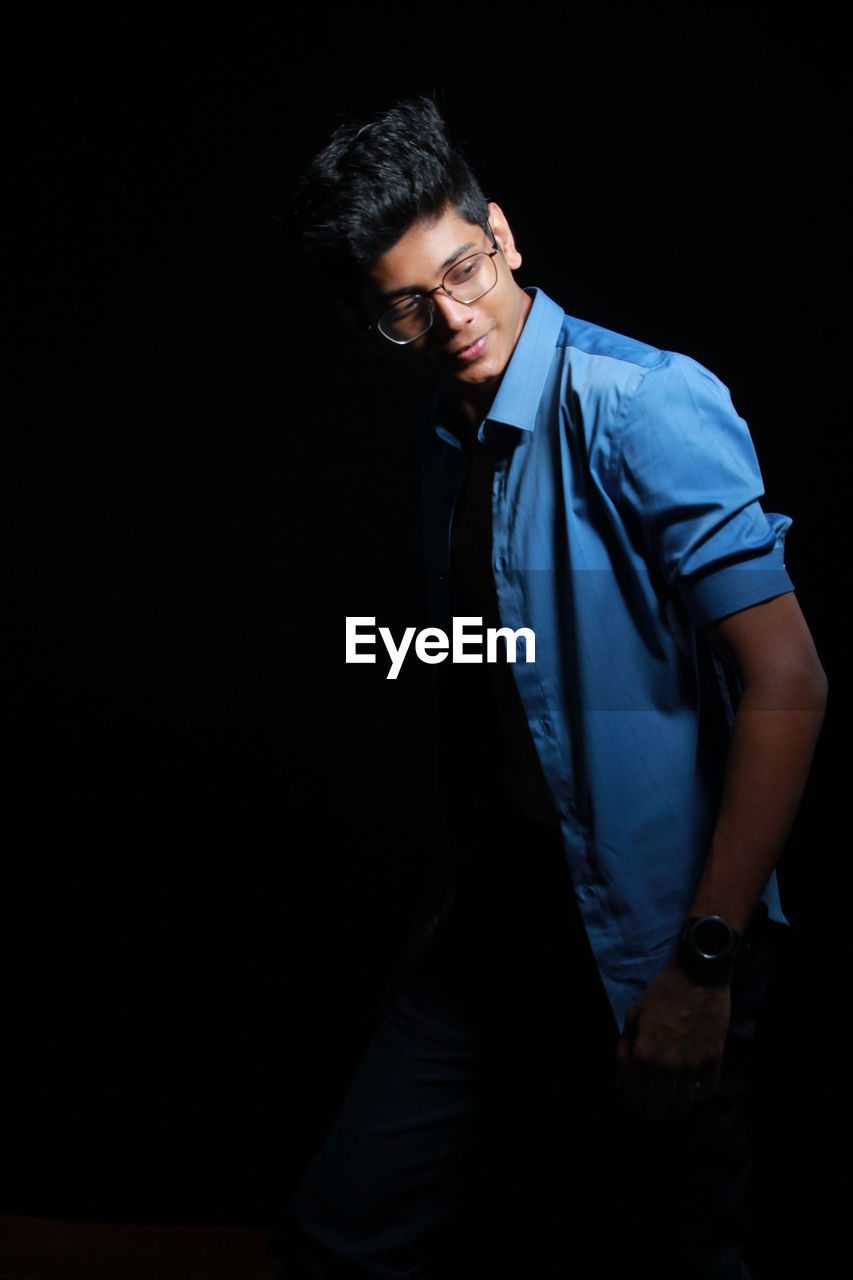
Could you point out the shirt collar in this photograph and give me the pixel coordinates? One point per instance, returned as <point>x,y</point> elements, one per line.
<point>523,382</point>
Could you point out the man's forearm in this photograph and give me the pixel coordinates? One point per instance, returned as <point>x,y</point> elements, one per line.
<point>773,741</point>
<point>670,1052</point>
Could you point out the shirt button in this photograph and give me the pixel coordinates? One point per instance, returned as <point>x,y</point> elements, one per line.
<point>499,564</point>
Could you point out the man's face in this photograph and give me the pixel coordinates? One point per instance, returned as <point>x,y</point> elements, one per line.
<point>469,345</point>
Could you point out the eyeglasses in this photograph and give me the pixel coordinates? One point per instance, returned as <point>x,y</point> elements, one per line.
<point>466,281</point>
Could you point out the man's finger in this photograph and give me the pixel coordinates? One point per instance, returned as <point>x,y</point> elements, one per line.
<point>685,1093</point>
<point>633,1085</point>
<point>708,1080</point>
<point>624,1047</point>
<point>658,1093</point>
<point>634,1096</point>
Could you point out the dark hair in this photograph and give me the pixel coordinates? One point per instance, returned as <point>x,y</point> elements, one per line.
<point>371,182</point>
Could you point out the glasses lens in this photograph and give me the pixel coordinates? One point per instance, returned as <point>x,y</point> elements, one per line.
<point>471,278</point>
<point>406,320</point>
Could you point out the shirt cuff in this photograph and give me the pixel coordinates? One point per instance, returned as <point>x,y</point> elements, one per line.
<point>737,586</point>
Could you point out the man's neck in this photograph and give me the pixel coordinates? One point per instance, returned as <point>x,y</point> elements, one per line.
<point>473,410</point>
<point>463,417</point>
<point>474,403</point>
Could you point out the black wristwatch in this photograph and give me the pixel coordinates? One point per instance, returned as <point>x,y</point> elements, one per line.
<point>708,947</point>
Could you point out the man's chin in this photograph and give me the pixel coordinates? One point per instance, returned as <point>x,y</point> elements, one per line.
<point>475,377</point>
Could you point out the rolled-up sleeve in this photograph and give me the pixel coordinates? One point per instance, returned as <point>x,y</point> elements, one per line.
<point>689,479</point>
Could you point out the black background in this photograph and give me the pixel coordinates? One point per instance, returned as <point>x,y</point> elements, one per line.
<point>216,829</point>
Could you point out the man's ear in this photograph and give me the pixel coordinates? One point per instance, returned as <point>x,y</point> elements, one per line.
<point>503,236</point>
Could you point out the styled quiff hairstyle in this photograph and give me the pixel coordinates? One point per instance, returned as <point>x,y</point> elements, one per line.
<point>371,183</point>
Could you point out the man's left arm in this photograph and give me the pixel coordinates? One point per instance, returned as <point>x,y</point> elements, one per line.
<point>670,1051</point>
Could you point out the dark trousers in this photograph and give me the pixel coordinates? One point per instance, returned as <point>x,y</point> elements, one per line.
<point>482,1134</point>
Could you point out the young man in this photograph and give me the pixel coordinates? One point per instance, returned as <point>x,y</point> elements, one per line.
<point>603,494</point>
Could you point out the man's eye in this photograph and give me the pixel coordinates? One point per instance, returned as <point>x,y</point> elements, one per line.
<point>464,270</point>
<point>406,307</point>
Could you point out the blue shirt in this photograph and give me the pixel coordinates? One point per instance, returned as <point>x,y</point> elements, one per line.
<point>625,516</point>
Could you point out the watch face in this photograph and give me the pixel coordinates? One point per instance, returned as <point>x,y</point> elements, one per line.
<point>712,937</point>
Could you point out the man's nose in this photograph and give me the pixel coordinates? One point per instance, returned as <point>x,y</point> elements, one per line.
<point>454,315</point>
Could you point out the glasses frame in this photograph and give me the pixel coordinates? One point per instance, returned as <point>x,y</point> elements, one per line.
<point>427,297</point>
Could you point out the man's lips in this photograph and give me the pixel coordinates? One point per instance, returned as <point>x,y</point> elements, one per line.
<point>470,352</point>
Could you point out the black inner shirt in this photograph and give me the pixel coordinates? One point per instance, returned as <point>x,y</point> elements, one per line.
<point>487,746</point>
